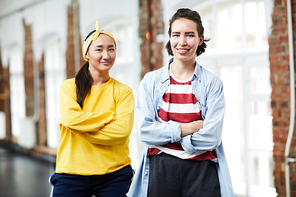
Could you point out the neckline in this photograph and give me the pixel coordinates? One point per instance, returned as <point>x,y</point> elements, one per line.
<point>103,85</point>
<point>178,80</point>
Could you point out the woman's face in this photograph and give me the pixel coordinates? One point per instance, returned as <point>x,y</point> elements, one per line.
<point>101,54</point>
<point>184,39</point>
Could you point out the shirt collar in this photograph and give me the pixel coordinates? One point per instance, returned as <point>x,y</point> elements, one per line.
<point>166,75</point>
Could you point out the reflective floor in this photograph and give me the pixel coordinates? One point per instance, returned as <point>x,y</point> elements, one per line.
<point>23,176</point>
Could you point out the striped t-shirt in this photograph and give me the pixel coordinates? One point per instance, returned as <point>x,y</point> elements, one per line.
<point>180,105</point>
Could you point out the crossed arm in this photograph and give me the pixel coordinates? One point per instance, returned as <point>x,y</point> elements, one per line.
<point>110,127</point>
<point>193,136</point>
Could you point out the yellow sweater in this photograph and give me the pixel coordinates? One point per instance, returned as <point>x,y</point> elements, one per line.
<point>94,140</point>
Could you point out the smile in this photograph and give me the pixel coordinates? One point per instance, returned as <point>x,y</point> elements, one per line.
<point>183,51</point>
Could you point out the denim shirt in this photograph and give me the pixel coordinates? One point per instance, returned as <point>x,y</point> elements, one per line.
<point>208,90</point>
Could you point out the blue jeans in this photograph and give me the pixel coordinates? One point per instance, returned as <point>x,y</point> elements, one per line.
<point>115,184</point>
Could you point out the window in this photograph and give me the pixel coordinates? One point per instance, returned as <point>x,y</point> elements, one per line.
<point>26,138</point>
<point>54,76</point>
<point>238,54</point>
<point>17,90</point>
<point>124,40</point>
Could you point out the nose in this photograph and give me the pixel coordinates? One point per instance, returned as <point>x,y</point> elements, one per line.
<point>106,54</point>
<point>182,41</point>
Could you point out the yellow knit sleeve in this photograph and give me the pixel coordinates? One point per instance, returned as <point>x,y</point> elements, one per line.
<point>73,118</point>
<point>118,130</point>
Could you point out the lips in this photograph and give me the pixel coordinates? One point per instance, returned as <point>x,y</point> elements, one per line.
<point>105,62</point>
<point>182,50</point>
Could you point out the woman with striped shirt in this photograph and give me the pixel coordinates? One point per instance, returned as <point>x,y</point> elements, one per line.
<point>180,111</point>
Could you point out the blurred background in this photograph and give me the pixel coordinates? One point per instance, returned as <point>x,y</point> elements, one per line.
<point>40,47</point>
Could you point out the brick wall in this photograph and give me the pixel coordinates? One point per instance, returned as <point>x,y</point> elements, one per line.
<point>42,136</point>
<point>280,96</point>
<point>4,96</point>
<point>73,12</point>
<point>7,102</point>
<point>28,70</point>
<point>1,85</point>
<point>151,20</point>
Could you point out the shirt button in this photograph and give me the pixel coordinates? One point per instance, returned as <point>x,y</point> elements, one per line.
<point>146,173</point>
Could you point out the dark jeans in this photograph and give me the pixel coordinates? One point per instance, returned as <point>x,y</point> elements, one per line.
<point>170,176</point>
<point>115,184</point>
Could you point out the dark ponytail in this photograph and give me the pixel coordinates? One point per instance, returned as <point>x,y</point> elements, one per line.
<point>83,81</point>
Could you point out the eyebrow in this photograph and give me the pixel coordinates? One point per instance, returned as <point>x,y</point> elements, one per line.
<point>177,32</point>
<point>112,45</point>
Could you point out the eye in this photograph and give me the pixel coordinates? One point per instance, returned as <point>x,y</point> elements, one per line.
<point>111,49</point>
<point>190,35</point>
<point>98,49</point>
<point>175,35</point>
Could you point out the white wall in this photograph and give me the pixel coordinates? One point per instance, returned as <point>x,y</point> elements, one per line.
<point>48,20</point>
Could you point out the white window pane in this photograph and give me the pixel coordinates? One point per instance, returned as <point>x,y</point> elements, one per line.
<point>54,76</point>
<point>124,40</point>
<point>261,175</point>
<point>247,131</point>
<point>225,39</point>
<point>260,80</point>
<point>17,90</point>
<point>263,37</point>
<point>261,124</point>
<point>237,26</point>
<point>229,26</point>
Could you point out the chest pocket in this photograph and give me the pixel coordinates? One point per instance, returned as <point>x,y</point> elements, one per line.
<point>157,101</point>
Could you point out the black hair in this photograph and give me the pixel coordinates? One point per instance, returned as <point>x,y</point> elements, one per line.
<point>83,80</point>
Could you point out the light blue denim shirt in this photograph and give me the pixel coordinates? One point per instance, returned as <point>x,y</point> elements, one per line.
<point>208,90</point>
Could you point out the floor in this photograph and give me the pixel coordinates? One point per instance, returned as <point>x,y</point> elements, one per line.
<point>23,176</point>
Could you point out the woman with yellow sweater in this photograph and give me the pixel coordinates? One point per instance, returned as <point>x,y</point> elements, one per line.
<point>96,122</point>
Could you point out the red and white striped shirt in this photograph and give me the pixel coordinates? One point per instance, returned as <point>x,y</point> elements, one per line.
<point>180,105</point>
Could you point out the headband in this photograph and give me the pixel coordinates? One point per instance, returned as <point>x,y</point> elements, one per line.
<point>94,36</point>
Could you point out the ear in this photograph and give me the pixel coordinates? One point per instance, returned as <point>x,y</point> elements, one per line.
<point>86,55</point>
<point>201,39</point>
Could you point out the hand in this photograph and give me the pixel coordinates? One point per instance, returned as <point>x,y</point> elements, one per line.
<point>191,127</point>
